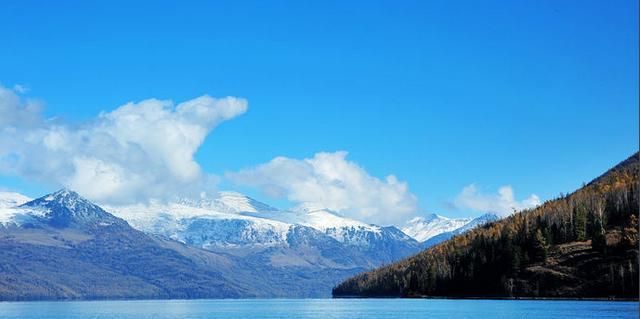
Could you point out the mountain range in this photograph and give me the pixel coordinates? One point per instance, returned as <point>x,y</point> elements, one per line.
<point>62,246</point>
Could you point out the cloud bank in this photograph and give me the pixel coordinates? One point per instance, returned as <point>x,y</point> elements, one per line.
<point>503,203</point>
<point>136,152</point>
<point>331,181</point>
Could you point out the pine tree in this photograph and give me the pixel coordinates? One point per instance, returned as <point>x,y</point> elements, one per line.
<point>539,246</point>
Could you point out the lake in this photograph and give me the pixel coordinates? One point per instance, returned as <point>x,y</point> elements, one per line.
<point>319,308</point>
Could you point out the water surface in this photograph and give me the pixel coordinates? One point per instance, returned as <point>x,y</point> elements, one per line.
<point>319,308</point>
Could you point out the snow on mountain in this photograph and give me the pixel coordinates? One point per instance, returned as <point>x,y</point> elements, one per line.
<point>238,222</point>
<point>475,222</point>
<point>233,220</point>
<point>66,208</point>
<point>11,199</point>
<point>308,240</point>
<point>342,229</point>
<point>9,214</point>
<point>345,230</point>
<point>478,221</point>
<point>242,203</point>
<point>352,232</point>
<point>377,245</point>
<point>424,228</point>
<point>206,224</point>
<point>324,219</point>
<point>229,202</point>
<point>63,208</point>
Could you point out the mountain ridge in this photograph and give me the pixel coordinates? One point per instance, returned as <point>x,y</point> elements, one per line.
<point>262,232</point>
<point>582,245</point>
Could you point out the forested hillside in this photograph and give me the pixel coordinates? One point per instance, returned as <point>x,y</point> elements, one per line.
<point>584,245</point>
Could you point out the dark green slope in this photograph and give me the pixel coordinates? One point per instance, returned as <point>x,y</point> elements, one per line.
<point>584,245</point>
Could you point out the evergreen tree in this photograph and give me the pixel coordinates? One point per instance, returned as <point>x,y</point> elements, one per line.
<point>539,246</point>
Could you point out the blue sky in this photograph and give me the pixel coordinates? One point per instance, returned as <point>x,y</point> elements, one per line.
<point>538,95</point>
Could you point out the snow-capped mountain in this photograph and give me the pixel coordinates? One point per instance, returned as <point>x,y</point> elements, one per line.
<point>251,221</point>
<point>241,203</point>
<point>473,223</point>
<point>229,202</point>
<point>208,223</point>
<point>380,244</point>
<point>11,199</point>
<point>235,221</point>
<point>8,203</point>
<point>478,221</point>
<point>62,246</point>
<point>63,208</point>
<point>423,228</point>
<point>239,224</point>
<point>343,229</point>
<point>329,221</point>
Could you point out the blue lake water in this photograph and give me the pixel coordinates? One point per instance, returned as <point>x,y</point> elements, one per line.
<point>319,308</point>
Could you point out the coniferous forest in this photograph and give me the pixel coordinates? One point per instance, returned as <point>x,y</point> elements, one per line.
<point>582,245</point>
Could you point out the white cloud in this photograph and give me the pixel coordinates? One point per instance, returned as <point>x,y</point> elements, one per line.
<point>136,152</point>
<point>15,111</point>
<point>503,203</point>
<point>330,180</point>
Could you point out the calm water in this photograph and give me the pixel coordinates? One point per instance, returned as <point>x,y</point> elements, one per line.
<point>320,308</point>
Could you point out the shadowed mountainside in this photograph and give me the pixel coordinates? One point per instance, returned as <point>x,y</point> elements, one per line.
<point>584,245</point>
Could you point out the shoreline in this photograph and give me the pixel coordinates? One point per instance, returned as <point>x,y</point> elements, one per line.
<point>614,299</point>
<point>328,298</point>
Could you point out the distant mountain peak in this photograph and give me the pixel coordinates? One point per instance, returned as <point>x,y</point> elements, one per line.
<point>233,194</point>
<point>66,198</point>
<point>64,194</point>
<point>244,203</point>
<point>422,228</point>
<point>66,207</point>
<point>12,199</point>
<point>228,202</point>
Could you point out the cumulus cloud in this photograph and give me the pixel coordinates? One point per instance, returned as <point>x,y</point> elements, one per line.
<point>503,203</point>
<point>331,181</point>
<point>136,152</point>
